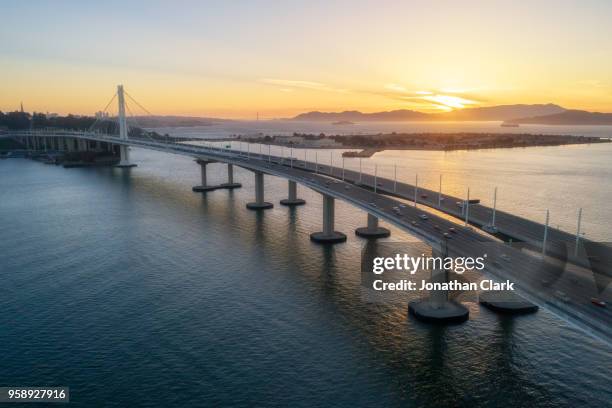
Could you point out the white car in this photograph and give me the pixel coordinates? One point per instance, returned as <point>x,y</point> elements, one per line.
<point>423,216</point>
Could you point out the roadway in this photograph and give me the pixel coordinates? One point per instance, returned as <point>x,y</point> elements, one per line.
<point>566,294</point>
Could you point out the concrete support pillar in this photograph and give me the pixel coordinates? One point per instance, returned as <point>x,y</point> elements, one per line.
<point>230,173</point>
<point>439,298</point>
<point>230,178</point>
<point>203,187</point>
<point>259,203</point>
<point>203,174</point>
<point>124,154</point>
<point>328,215</point>
<point>372,230</point>
<point>437,307</point>
<point>292,199</point>
<point>328,235</point>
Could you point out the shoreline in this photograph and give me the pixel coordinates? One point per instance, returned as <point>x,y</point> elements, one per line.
<point>422,143</point>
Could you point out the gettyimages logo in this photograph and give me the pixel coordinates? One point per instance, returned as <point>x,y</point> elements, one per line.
<point>565,278</point>
<point>412,264</point>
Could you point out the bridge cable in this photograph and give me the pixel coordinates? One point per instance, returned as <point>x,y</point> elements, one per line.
<point>146,132</point>
<point>103,111</point>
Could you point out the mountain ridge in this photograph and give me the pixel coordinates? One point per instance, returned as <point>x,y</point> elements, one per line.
<point>568,117</point>
<point>499,112</point>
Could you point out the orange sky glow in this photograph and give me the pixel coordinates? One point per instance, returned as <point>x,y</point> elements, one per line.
<point>234,60</point>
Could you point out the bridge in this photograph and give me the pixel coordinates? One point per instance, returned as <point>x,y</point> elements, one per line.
<point>537,267</point>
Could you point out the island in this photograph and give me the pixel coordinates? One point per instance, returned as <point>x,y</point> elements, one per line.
<point>367,145</point>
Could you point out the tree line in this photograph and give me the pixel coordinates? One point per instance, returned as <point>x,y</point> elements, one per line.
<point>24,120</point>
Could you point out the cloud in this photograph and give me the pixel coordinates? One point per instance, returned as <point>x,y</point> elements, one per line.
<point>290,83</point>
<point>442,99</point>
<point>396,87</point>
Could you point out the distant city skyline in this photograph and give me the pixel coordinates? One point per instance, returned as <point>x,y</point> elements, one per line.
<point>234,60</point>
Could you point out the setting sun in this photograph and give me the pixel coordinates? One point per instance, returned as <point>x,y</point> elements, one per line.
<point>212,63</point>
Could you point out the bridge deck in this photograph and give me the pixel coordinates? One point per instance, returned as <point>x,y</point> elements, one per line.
<point>566,294</point>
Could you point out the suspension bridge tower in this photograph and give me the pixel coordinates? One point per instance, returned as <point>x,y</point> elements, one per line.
<point>123,130</point>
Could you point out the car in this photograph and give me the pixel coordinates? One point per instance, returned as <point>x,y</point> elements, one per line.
<point>452,230</point>
<point>423,216</point>
<point>598,302</point>
<point>402,205</point>
<point>414,223</point>
<point>447,235</point>
<point>460,204</point>
<point>373,204</point>
<point>347,187</point>
<point>437,227</point>
<point>423,195</point>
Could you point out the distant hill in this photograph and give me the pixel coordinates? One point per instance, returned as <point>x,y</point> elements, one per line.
<point>356,116</point>
<point>502,112</point>
<point>568,117</point>
<point>175,121</point>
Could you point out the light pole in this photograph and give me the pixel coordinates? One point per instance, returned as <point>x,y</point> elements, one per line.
<point>360,170</point>
<point>375,176</point>
<point>440,193</point>
<point>395,178</point>
<point>467,208</point>
<point>544,241</point>
<point>416,188</point>
<point>578,231</point>
<point>494,207</point>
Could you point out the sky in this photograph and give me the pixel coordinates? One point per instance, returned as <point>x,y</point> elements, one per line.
<point>238,58</point>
